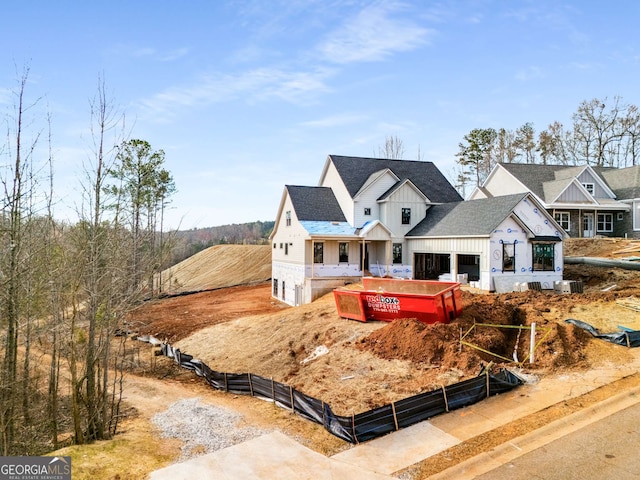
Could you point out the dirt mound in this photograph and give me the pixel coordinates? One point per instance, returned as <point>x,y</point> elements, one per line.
<point>601,247</point>
<point>219,266</point>
<point>486,330</point>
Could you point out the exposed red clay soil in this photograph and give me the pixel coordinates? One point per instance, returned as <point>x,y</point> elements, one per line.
<point>242,329</point>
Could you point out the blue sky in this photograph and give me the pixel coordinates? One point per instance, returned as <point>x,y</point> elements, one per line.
<point>247,96</point>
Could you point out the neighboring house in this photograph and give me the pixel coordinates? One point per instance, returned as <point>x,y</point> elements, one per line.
<point>625,182</point>
<point>496,242</point>
<point>403,219</point>
<point>585,201</point>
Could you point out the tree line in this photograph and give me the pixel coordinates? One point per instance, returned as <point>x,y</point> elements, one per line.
<point>186,243</point>
<point>66,287</point>
<point>603,133</point>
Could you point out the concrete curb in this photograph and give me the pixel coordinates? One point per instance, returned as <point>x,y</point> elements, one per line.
<point>487,461</point>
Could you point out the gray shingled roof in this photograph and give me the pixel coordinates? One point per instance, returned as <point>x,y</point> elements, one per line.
<point>355,171</point>
<point>533,176</point>
<point>625,182</point>
<point>473,217</point>
<point>315,204</point>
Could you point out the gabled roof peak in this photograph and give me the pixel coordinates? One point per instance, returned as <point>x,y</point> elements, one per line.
<point>355,171</point>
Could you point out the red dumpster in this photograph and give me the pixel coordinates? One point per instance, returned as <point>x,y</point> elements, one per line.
<point>388,299</point>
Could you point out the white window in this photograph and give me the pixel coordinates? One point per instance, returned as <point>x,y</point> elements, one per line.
<point>605,222</point>
<point>563,220</point>
<point>590,187</point>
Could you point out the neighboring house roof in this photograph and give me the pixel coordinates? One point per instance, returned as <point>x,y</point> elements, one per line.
<point>534,176</point>
<point>625,182</point>
<point>473,217</point>
<point>315,204</point>
<point>355,171</point>
<point>546,181</point>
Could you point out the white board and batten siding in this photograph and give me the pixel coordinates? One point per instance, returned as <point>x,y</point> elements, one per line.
<point>332,180</point>
<point>391,209</point>
<point>368,196</point>
<point>456,246</point>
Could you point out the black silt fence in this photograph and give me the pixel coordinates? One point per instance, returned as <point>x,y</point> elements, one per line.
<point>627,338</point>
<point>362,426</point>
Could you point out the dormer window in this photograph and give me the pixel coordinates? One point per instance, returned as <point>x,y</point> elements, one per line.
<point>589,187</point>
<point>406,216</point>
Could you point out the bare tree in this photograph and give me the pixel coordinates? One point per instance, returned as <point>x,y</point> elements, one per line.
<point>102,291</point>
<point>17,184</point>
<point>630,126</point>
<point>505,149</point>
<point>595,130</point>
<point>525,143</point>
<point>393,148</point>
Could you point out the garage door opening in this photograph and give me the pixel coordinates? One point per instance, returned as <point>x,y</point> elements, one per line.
<point>429,266</point>
<point>469,264</point>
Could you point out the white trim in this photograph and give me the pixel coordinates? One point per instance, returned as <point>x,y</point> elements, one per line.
<point>580,187</point>
<point>373,179</point>
<point>398,187</point>
<point>599,180</point>
<point>597,221</point>
<point>563,212</point>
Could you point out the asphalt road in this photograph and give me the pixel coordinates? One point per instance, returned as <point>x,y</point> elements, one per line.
<point>607,449</point>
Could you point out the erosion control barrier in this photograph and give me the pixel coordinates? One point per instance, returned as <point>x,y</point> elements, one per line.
<point>359,427</point>
<point>627,338</point>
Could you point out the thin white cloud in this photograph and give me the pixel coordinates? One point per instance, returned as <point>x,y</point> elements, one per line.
<point>152,53</point>
<point>529,73</point>
<point>583,65</point>
<point>173,54</point>
<point>256,85</point>
<point>143,52</point>
<point>335,121</point>
<point>373,35</point>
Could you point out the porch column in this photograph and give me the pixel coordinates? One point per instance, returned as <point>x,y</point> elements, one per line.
<point>580,227</point>
<point>388,255</point>
<point>362,255</point>
<point>312,255</point>
<point>454,267</point>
